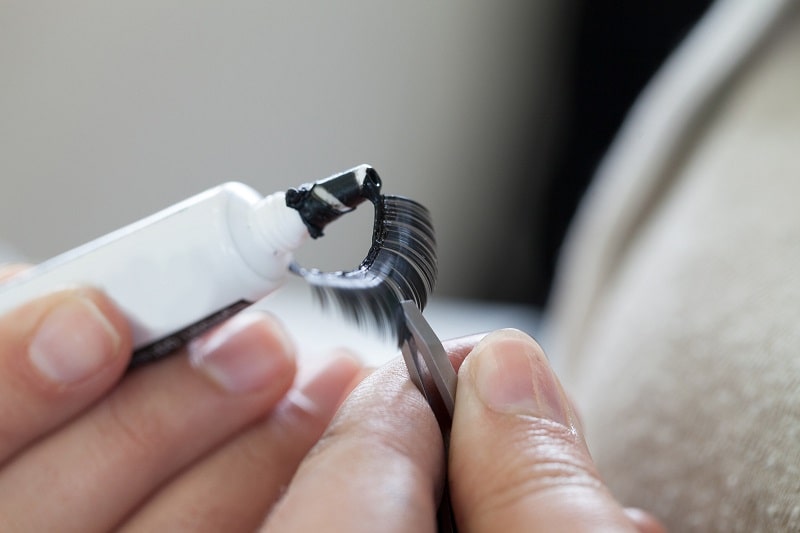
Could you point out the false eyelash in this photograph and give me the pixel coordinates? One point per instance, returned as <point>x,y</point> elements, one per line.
<point>400,265</point>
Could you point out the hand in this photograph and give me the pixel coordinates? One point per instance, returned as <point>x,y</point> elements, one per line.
<point>201,443</point>
<point>517,459</point>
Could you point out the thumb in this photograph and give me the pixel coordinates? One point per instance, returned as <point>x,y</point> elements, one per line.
<point>517,459</point>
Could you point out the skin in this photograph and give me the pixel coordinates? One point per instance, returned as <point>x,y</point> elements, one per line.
<point>519,467</point>
<point>104,453</point>
<point>243,439</point>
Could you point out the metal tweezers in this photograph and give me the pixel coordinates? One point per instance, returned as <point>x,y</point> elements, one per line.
<point>432,373</point>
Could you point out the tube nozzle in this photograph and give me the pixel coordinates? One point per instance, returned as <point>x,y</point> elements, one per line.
<point>321,202</point>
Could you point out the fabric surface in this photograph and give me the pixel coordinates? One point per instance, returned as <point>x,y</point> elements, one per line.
<point>676,316</point>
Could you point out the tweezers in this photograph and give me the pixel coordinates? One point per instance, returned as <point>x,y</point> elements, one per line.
<point>430,370</point>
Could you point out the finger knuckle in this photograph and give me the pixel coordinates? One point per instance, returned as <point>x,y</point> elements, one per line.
<point>138,431</point>
<point>546,458</point>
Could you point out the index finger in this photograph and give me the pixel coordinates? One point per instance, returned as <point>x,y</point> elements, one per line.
<point>378,467</point>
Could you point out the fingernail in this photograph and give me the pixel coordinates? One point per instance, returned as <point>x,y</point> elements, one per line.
<point>324,391</point>
<point>73,341</point>
<point>244,354</point>
<point>512,376</point>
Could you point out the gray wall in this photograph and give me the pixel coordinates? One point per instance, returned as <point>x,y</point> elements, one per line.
<point>112,110</point>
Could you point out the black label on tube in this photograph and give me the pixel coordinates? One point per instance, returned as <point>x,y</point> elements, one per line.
<point>163,347</point>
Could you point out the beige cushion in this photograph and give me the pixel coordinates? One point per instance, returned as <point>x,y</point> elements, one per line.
<point>676,318</point>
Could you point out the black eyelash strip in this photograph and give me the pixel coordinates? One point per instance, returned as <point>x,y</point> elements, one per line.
<point>400,265</point>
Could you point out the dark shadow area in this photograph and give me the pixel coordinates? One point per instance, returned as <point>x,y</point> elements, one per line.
<point>618,46</point>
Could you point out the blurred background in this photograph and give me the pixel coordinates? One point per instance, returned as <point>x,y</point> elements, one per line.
<point>493,114</point>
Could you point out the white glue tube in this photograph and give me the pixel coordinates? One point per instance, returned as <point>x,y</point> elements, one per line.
<point>182,270</point>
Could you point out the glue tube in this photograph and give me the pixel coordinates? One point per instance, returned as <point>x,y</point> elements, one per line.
<point>178,272</point>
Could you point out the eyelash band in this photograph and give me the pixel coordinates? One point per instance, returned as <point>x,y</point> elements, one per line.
<point>401,263</point>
